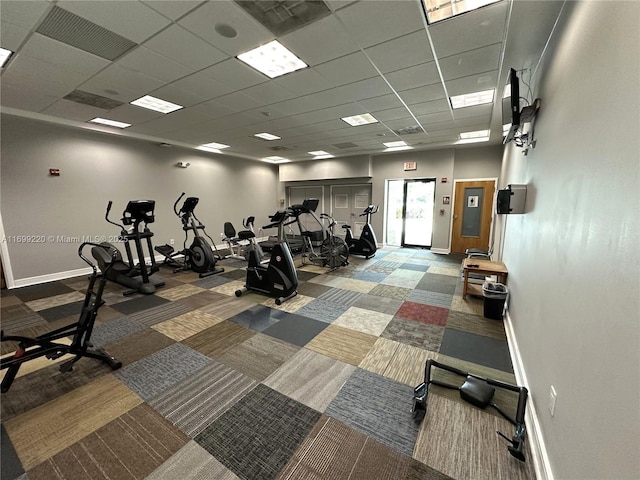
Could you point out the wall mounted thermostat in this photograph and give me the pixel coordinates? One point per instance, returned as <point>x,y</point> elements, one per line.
<point>512,199</point>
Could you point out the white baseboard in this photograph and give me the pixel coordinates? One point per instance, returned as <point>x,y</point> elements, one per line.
<point>541,464</point>
<point>441,251</point>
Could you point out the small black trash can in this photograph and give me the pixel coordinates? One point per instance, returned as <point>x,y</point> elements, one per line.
<point>494,295</point>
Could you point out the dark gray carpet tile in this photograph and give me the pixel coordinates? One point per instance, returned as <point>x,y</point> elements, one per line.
<point>43,290</point>
<point>295,329</point>
<point>370,276</point>
<point>138,304</point>
<point>477,324</point>
<point>158,314</point>
<point>62,311</point>
<point>430,298</point>
<point>11,467</point>
<point>419,471</point>
<point>114,330</point>
<point>379,304</point>
<point>479,349</point>
<point>256,318</point>
<point>305,276</point>
<point>414,267</point>
<point>153,374</point>
<point>233,262</point>
<point>253,438</point>
<point>19,318</point>
<point>212,281</point>
<point>434,282</point>
<point>312,289</point>
<point>239,274</point>
<point>417,334</point>
<point>322,310</point>
<point>378,407</point>
<point>199,399</point>
<point>341,297</point>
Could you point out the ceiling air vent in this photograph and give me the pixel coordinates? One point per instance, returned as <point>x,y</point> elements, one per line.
<point>78,32</point>
<point>94,100</point>
<point>285,16</point>
<point>409,130</point>
<point>279,148</point>
<point>345,145</point>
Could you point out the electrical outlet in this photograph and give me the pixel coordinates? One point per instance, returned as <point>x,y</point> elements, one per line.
<point>171,242</point>
<point>552,400</point>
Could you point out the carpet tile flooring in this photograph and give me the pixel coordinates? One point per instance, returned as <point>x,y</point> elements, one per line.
<point>224,388</point>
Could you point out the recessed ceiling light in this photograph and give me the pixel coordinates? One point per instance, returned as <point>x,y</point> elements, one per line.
<point>472,140</point>
<point>4,56</point>
<point>156,104</point>
<point>363,119</point>
<point>476,134</point>
<point>111,123</point>
<point>438,10</point>
<point>213,146</point>
<point>267,136</point>
<point>276,159</point>
<point>471,99</point>
<point>398,149</point>
<point>399,143</point>
<point>272,59</point>
<point>318,152</point>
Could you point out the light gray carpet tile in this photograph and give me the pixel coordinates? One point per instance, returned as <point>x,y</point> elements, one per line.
<point>114,330</point>
<point>378,407</point>
<point>161,313</point>
<point>369,276</point>
<point>322,310</point>
<point>414,267</point>
<point>412,332</point>
<point>379,304</point>
<point>153,374</point>
<point>430,298</point>
<point>341,297</point>
<point>387,264</point>
<point>192,462</point>
<point>199,399</point>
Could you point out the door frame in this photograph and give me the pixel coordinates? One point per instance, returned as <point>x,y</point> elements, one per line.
<point>493,210</point>
<point>403,244</point>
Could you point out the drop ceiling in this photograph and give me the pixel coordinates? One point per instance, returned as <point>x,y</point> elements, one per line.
<point>77,60</point>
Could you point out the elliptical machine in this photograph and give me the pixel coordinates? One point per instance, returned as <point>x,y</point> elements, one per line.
<point>366,245</point>
<point>128,274</point>
<point>279,278</point>
<point>45,345</point>
<point>199,257</point>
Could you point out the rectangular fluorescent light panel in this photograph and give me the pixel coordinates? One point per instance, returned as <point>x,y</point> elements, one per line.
<point>438,10</point>
<point>276,159</point>
<point>398,149</point>
<point>267,136</point>
<point>472,99</point>
<point>4,56</point>
<point>399,143</point>
<point>318,153</point>
<point>363,119</point>
<point>476,134</point>
<point>472,140</point>
<point>156,104</point>
<point>215,146</point>
<point>110,123</point>
<point>272,59</point>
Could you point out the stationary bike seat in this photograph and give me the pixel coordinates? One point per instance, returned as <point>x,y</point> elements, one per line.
<point>346,226</point>
<point>246,234</point>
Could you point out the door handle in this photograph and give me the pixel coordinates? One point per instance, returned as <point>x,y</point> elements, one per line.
<point>455,217</point>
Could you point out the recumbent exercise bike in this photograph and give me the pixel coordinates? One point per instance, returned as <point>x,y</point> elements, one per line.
<point>367,244</point>
<point>199,257</point>
<point>46,346</point>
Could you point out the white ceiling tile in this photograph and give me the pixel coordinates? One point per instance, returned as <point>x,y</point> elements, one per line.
<point>303,82</point>
<point>434,106</point>
<point>203,20</point>
<point>349,69</point>
<point>45,72</point>
<point>391,114</point>
<point>123,79</point>
<point>320,41</point>
<point>141,59</point>
<point>373,22</point>
<point>133,114</point>
<point>61,56</point>
<point>165,123</point>
<point>295,106</point>
<point>183,47</point>
<point>269,92</point>
<point>75,111</point>
<point>412,77</point>
<point>173,94</point>
<point>12,36</point>
<point>383,102</point>
<point>425,93</point>
<point>472,83</point>
<point>15,95</point>
<point>203,85</point>
<point>172,9</point>
<point>474,111</point>
<point>429,119</point>
<point>239,101</point>
<point>484,26</point>
<point>235,74</point>
<point>369,88</point>
<point>132,20</point>
<point>23,14</point>
<point>401,52</point>
<point>471,62</point>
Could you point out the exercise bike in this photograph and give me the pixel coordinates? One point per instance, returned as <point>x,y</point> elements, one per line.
<point>478,391</point>
<point>366,245</point>
<point>128,274</point>
<point>46,346</point>
<point>278,278</point>
<point>199,257</point>
<point>334,251</point>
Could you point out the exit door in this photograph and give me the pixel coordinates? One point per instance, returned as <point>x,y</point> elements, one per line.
<point>409,211</point>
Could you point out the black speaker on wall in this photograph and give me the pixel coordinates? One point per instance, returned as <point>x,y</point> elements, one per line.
<point>504,197</point>
<point>512,199</point>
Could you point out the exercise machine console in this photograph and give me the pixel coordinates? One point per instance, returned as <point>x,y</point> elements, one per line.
<point>46,345</point>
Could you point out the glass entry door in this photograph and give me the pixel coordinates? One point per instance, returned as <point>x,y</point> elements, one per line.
<point>410,205</point>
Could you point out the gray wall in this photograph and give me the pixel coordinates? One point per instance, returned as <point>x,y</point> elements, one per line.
<point>573,257</point>
<point>97,167</point>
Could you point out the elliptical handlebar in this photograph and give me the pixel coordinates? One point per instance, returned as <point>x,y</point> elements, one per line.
<point>370,210</point>
<point>175,205</point>
<point>93,266</point>
<point>106,217</point>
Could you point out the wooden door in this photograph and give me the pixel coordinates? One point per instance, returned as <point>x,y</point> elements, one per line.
<point>472,215</point>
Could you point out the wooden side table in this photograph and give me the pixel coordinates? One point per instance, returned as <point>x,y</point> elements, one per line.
<point>486,267</point>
